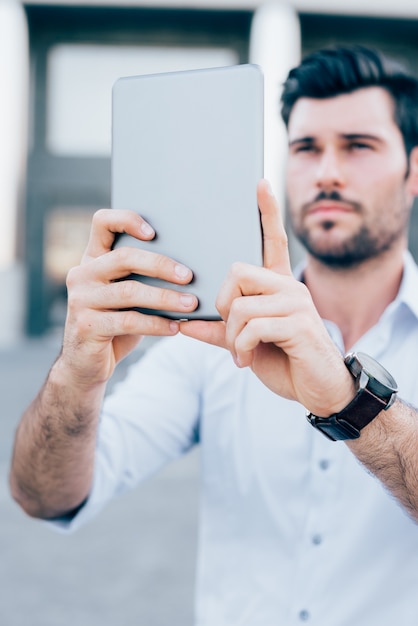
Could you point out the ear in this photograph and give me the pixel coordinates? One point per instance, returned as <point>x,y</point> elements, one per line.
<point>412,181</point>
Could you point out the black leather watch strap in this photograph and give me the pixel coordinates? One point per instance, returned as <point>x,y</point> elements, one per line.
<point>376,391</point>
<point>361,411</point>
<point>363,408</point>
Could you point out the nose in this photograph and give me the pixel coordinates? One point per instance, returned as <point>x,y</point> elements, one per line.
<point>330,173</point>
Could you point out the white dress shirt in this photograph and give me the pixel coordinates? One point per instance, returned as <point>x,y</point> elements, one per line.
<point>293,529</point>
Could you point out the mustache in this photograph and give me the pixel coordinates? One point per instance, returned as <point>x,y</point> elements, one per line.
<point>334,196</point>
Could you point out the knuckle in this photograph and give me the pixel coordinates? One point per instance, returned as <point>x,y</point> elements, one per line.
<point>162,265</point>
<point>223,311</point>
<point>71,278</point>
<point>127,289</point>
<point>173,300</point>
<point>100,216</point>
<point>237,268</point>
<point>75,301</point>
<point>236,307</point>
<point>122,255</point>
<point>107,324</point>
<point>161,298</point>
<point>85,323</point>
<point>303,292</point>
<point>128,322</point>
<point>219,303</point>
<point>145,295</point>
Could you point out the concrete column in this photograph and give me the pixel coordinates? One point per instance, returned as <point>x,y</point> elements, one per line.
<point>13,149</point>
<point>275,45</point>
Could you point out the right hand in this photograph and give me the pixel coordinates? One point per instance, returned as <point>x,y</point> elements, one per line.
<point>270,323</point>
<point>100,329</point>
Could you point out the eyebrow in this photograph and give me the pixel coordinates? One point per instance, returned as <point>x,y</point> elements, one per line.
<point>346,136</point>
<point>367,136</point>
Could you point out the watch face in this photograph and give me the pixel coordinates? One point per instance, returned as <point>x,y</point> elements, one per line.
<point>380,379</point>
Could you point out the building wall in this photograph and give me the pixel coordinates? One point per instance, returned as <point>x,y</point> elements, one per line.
<point>13,133</point>
<point>76,55</point>
<point>46,224</point>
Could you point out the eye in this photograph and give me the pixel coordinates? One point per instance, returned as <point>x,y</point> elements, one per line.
<point>359,145</point>
<point>305,147</point>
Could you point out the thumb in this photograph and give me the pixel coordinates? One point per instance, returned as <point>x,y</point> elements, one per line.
<point>209,332</point>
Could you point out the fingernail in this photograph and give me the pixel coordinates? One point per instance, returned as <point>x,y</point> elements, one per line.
<point>181,271</point>
<point>174,327</point>
<point>187,300</point>
<point>237,361</point>
<point>268,187</point>
<point>146,229</point>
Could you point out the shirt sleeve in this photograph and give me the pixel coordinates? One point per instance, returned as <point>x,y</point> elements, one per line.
<point>150,419</point>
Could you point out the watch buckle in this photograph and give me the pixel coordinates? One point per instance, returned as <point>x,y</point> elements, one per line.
<point>330,425</point>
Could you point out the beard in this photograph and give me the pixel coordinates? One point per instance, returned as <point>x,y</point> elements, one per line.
<point>350,253</point>
<point>367,243</point>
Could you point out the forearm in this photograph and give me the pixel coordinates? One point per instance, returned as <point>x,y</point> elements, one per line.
<point>52,466</point>
<point>53,458</point>
<point>388,448</point>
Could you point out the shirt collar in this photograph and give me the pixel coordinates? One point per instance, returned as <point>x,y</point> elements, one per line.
<point>408,290</point>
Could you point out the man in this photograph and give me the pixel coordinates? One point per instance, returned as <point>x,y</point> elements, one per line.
<point>293,527</point>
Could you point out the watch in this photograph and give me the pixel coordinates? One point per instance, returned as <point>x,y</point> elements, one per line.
<point>376,391</point>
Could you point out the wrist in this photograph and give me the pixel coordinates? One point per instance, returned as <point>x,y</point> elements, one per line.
<point>66,375</point>
<point>375,391</point>
<point>341,391</point>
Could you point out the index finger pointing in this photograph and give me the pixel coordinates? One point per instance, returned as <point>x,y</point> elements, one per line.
<point>275,244</point>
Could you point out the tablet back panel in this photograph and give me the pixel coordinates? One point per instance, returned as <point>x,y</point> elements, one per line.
<point>187,153</point>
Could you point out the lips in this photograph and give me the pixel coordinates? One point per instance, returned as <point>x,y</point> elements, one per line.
<point>327,208</point>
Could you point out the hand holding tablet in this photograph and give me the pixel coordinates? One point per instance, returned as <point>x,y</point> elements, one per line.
<point>187,153</point>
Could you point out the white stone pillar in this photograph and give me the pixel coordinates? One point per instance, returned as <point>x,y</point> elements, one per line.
<point>13,149</point>
<point>275,45</point>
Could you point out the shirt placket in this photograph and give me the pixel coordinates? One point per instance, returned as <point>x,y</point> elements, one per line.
<point>325,492</point>
<point>325,480</point>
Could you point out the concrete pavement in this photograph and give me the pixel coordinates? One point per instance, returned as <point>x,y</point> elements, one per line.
<point>132,566</point>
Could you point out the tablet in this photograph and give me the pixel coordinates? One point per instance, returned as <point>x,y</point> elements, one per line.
<point>187,153</point>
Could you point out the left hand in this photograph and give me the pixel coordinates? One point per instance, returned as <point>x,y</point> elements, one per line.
<point>271,325</point>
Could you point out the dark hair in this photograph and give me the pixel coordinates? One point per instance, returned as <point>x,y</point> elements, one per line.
<point>343,69</point>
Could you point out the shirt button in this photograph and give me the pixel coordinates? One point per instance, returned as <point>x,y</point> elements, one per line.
<point>317,539</point>
<point>304,615</point>
<point>324,464</point>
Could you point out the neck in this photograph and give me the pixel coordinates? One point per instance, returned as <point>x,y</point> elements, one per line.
<point>355,298</point>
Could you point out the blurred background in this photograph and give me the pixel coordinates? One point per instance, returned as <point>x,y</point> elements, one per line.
<point>58,62</point>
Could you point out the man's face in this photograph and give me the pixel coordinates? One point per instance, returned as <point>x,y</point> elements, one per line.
<point>346,177</point>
